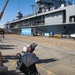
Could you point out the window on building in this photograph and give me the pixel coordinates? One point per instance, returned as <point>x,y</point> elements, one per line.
<point>72,18</point>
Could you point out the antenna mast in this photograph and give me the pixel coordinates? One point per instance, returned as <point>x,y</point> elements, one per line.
<point>32,7</point>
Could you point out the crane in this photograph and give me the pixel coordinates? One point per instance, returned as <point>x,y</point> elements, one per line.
<point>2,12</point>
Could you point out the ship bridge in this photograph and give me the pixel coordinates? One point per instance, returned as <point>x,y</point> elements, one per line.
<point>44,1</point>
<point>48,5</point>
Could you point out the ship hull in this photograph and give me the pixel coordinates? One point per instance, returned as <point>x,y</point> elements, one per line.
<point>57,29</point>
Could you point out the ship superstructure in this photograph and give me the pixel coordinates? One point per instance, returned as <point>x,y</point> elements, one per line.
<point>48,5</point>
<point>52,16</point>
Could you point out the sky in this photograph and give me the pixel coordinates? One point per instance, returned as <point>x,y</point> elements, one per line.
<point>13,7</point>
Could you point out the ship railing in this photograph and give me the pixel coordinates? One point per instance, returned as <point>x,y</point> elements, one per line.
<point>33,24</point>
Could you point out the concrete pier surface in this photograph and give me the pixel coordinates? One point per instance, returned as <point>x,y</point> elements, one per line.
<point>56,56</point>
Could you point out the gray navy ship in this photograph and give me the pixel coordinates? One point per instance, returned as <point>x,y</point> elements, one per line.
<point>52,16</point>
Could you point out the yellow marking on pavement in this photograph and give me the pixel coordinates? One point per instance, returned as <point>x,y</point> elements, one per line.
<point>13,63</point>
<point>48,71</point>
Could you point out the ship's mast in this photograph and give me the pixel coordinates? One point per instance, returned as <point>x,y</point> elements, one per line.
<point>32,7</point>
<point>1,14</point>
<point>19,14</point>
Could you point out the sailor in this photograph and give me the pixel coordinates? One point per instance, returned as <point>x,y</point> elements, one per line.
<point>31,47</point>
<point>26,49</point>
